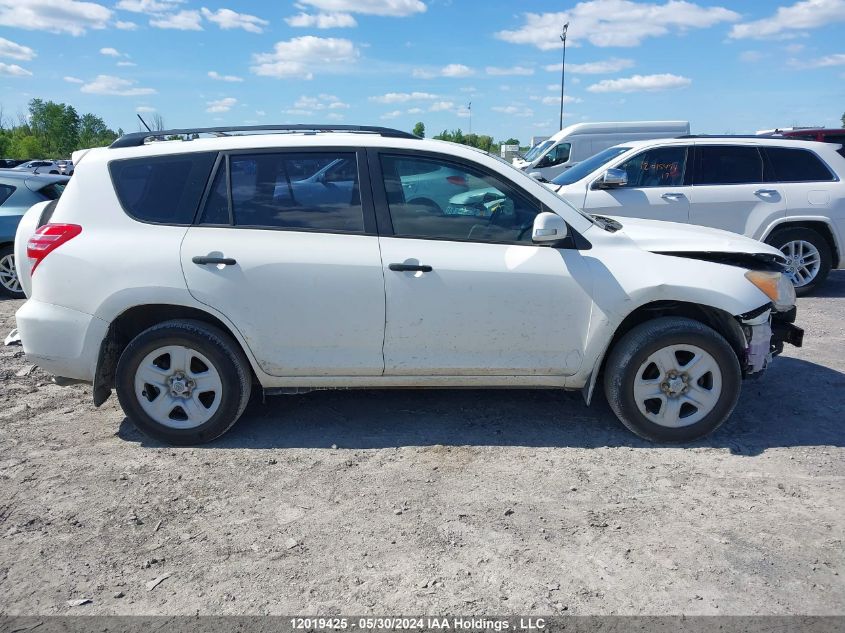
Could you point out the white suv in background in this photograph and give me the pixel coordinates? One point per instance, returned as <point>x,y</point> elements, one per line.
<point>787,193</point>
<point>188,274</point>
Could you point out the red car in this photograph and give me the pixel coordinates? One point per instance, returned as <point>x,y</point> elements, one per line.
<point>825,135</point>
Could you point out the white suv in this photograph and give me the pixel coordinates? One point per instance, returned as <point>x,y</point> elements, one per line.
<point>786,192</point>
<point>188,274</point>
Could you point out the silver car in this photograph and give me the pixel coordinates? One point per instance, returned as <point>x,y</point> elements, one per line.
<point>19,190</point>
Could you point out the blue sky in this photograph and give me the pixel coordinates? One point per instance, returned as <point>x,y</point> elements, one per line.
<point>731,66</point>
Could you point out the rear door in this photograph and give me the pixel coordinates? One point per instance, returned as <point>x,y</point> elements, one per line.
<point>658,187</point>
<point>293,261</point>
<point>730,189</point>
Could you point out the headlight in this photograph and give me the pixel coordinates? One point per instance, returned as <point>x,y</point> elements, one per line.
<point>776,286</point>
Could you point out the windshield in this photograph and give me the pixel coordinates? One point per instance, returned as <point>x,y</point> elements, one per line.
<point>538,149</point>
<point>584,168</point>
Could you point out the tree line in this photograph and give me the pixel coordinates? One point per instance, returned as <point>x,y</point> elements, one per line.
<point>52,130</point>
<point>481,141</point>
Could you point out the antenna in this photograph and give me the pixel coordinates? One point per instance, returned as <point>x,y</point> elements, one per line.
<point>144,122</point>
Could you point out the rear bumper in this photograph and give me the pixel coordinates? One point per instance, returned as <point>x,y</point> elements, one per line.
<point>61,341</point>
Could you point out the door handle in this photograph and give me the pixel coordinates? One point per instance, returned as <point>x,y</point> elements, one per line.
<point>204,260</point>
<point>766,192</point>
<point>402,268</point>
<point>672,196</point>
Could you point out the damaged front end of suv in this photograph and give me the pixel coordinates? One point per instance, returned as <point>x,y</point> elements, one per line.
<point>768,328</point>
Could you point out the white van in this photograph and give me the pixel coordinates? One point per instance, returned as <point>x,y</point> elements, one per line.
<point>581,141</point>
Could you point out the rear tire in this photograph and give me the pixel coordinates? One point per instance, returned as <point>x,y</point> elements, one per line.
<point>811,266</point>
<point>183,382</point>
<point>672,380</point>
<point>10,285</point>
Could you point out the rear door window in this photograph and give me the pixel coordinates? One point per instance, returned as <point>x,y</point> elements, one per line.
<point>796,165</point>
<point>162,189</point>
<point>728,165</point>
<point>312,191</point>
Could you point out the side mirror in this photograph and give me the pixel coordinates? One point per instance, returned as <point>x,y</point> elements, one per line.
<point>537,175</point>
<point>548,227</point>
<point>612,178</point>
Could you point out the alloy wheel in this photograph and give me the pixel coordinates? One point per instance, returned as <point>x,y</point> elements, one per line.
<point>9,274</point>
<point>803,261</point>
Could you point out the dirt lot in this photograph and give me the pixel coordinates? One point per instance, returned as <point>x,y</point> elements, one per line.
<point>430,502</point>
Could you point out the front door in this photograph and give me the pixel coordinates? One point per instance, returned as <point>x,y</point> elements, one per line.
<point>468,293</point>
<point>656,188</point>
<point>292,263</point>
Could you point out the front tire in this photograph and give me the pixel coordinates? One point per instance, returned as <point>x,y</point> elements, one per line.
<point>672,380</point>
<point>183,382</point>
<point>10,284</point>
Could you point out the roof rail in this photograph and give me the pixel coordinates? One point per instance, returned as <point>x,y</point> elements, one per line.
<point>136,139</point>
<point>735,136</point>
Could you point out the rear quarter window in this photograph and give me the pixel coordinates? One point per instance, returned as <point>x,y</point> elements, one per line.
<point>162,189</point>
<point>797,165</point>
<point>5,192</point>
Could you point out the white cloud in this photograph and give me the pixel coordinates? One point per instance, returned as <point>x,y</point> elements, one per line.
<point>415,111</point>
<point>498,71</point>
<point>182,21</point>
<point>338,105</point>
<point>221,105</point>
<point>751,57</point>
<point>322,21</point>
<point>13,50</point>
<point>301,56</point>
<point>556,100</point>
<point>148,6</point>
<point>801,16</point>
<point>514,110</point>
<point>456,70</point>
<point>13,70</point>
<point>144,109</point>
<point>227,19</point>
<point>110,85</point>
<point>213,74</point>
<point>112,52</point>
<point>794,48</point>
<point>73,80</point>
<point>450,70</point>
<point>614,23</point>
<point>391,115</point>
<point>125,26</point>
<point>640,83</point>
<point>603,67</point>
<point>837,59</point>
<point>393,8</point>
<point>403,97</point>
<point>260,113</point>
<point>440,106</point>
<point>55,16</point>
<point>125,64</point>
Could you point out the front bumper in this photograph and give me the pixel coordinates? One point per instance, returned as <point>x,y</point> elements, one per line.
<point>765,335</point>
<point>62,341</point>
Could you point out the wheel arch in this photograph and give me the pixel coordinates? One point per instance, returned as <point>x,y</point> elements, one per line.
<point>722,322</point>
<point>128,324</point>
<point>820,225</point>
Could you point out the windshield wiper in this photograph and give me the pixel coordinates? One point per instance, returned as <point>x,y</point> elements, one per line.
<point>607,224</point>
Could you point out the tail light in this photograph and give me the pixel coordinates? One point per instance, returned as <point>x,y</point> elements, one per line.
<point>457,180</point>
<point>47,239</point>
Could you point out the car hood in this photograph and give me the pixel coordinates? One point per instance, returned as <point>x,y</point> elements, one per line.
<point>701,242</point>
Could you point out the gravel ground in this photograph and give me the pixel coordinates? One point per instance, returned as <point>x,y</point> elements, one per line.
<point>380,502</point>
